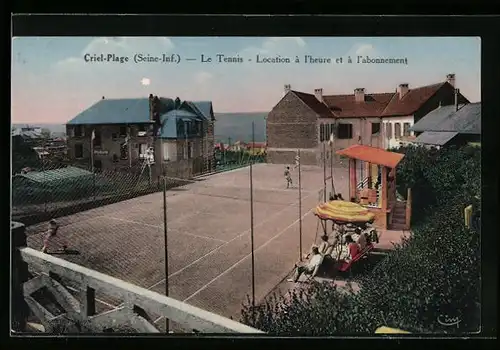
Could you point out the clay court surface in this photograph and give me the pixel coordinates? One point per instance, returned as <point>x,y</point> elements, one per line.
<point>209,244</point>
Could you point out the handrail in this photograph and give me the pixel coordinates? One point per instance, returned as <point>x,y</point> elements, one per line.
<point>177,311</point>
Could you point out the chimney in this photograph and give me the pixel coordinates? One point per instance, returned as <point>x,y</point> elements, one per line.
<point>450,78</point>
<point>457,92</point>
<point>402,90</point>
<point>151,97</point>
<point>288,87</point>
<point>359,95</point>
<point>319,94</point>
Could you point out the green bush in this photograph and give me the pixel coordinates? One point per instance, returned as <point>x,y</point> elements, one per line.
<point>433,274</point>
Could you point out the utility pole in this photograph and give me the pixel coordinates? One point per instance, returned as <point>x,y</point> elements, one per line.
<point>324,172</point>
<point>300,208</point>
<point>252,227</point>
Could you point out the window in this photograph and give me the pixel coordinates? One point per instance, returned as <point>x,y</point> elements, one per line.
<point>142,130</point>
<point>123,151</point>
<point>97,138</point>
<point>143,148</point>
<point>190,150</point>
<point>78,131</point>
<point>123,131</point>
<point>78,151</point>
<point>165,151</point>
<point>388,130</point>
<point>375,128</point>
<point>345,131</point>
<point>327,132</point>
<point>406,129</point>
<point>97,165</point>
<point>322,132</point>
<point>397,130</point>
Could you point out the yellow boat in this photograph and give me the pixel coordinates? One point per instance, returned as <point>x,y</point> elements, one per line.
<point>343,211</point>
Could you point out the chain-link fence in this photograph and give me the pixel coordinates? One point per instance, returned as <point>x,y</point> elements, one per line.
<point>57,190</point>
<point>54,189</point>
<point>229,160</point>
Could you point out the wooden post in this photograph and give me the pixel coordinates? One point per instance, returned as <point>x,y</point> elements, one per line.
<point>408,209</point>
<point>87,301</point>
<point>384,188</point>
<point>352,178</point>
<point>20,275</point>
<point>368,171</point>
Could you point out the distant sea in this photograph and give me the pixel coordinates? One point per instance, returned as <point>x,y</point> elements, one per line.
<point>229,127</point>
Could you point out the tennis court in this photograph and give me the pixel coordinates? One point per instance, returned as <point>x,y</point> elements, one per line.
<point>209,242</point>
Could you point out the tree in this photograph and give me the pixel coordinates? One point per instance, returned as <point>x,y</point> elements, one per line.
<point>46,133</point>
<point>23,155</point>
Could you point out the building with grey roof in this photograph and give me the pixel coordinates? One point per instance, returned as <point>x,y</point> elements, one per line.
<point>450,125</point>
<point>119,134</point>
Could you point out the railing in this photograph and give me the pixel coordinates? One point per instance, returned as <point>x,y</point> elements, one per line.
<point>137,301</point>
<point>363,184</point>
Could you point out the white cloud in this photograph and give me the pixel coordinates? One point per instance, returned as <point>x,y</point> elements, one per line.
<point>145,81</point>
<point>203,77</point>
<point>283,46</point>
<point>364,49</point>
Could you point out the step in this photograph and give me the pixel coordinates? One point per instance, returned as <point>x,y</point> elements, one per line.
<point>398,221</point>
<point>398,226</point>
<point>398,216</point>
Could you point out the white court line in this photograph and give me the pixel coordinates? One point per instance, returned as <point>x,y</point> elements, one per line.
<point>275,189</point>
<point>248,255</point>
<point>157,226</point>
<point>239,236</point>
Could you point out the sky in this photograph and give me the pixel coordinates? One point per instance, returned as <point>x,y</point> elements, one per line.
<point>52,82</point>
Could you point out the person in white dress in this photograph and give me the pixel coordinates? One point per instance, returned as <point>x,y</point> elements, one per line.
<point>311,267</point>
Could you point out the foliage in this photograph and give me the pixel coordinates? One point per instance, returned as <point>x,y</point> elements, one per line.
<point>430,276</point>
<point>23,155</point>
<point>438,176</point>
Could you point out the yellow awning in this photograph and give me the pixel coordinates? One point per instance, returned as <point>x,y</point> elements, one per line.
<point>344,211</point>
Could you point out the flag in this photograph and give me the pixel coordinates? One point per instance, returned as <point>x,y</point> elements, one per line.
<point>127,138</point>
<point>330,142</point>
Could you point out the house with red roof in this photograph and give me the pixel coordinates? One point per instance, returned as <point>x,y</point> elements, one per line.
<point>307,121</point>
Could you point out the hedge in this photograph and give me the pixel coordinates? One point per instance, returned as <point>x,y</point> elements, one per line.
<point>430,276</point>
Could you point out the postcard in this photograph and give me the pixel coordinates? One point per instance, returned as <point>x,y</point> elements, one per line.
<point>249,185</point>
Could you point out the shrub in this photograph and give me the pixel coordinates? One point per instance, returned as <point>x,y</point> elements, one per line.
<point>433,274</point>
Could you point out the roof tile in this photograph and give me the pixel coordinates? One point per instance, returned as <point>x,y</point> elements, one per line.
<point>375,105</point>
<point>312,102</point>
<point>372,154</point>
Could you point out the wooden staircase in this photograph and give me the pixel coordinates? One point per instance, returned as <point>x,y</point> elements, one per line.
<point>398,221</point>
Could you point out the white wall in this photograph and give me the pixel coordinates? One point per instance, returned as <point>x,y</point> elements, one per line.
<point>393,141</point>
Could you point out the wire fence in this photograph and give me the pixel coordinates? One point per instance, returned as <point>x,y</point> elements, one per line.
<point>51,189</point>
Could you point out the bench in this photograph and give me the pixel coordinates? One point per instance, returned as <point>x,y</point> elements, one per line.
<point>347,265</point>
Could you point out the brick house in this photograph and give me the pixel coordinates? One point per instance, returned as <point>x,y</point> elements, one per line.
<point>306,121</point>
<point>124,130</point>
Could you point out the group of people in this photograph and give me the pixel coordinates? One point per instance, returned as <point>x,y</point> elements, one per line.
<point>351,245</point>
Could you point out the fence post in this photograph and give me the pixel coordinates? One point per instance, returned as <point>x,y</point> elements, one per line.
<point>19,275</point>
<point>408,209</point>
